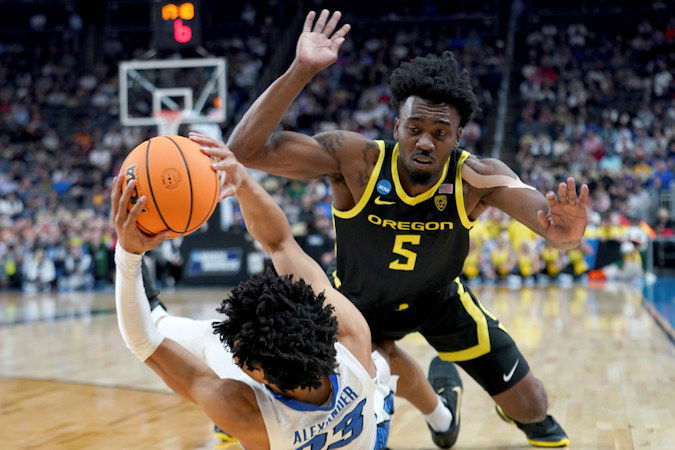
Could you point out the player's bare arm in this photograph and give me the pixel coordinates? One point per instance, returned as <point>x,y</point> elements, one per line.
<point>560,220</point>
<point>269,226</point>
<point>346,157</point>
<point>229,403</point>
<point>252,141</point>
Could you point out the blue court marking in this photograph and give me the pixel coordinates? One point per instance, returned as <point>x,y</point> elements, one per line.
<point>660,301</point>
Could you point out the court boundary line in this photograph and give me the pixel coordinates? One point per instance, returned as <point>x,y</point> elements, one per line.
<point>661,321</point>
<point>80,383</point>
<point>24,321</point>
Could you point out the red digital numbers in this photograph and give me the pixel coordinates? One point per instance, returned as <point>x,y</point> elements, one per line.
<point>180,14</point>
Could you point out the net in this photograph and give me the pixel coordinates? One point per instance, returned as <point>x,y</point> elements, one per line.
<point>169,121</point>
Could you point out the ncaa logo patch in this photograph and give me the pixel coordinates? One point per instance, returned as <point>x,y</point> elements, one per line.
<point>383,187</point>
<point>441,201</point>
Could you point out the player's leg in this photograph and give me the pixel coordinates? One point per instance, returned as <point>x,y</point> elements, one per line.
<point>384,396</point>
<point>520,397</point>
<point>195,335</point>
<point>490,356</point>
<point>438,403</point>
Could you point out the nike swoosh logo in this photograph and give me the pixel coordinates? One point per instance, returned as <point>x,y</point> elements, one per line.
<point>458,390</point>
<point>510,374</point>
<point>378,201</point>
<point>459,403</point>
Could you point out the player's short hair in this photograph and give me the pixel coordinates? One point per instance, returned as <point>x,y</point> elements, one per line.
<point>282,327</point>
<point>439,79</point>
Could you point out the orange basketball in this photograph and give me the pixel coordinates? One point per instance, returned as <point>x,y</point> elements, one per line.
<point>177,178</point>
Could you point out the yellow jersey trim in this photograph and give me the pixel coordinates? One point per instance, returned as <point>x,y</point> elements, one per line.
<point>336,280</point>
<point>493,317</point>
<point>459,193</point>
<point>375,174</point>
<point>483,345</point>
<point>399,188</point>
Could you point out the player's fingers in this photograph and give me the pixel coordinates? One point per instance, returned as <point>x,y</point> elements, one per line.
<point>159,238</point>
<point>136,210</point>
<point>550,196</point>
<point>307,27</point>
<point>562,193</point>
<point>204,140</point>
<point>332,23</point>
<point>226,191</point>
<point>114,197</point>
<point>342,32</point>
<point>224,164</point>
<point>124,201</point>
<point>583,195</point>
<point>571,191</point>
<point>217,152</point>
<point>336,44</point>
<point>543,220</point>
<point>321,22</point>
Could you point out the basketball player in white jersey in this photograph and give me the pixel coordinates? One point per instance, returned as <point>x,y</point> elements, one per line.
<point>305,350</point>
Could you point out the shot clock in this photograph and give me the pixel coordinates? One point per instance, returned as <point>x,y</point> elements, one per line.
<point>177,24</point>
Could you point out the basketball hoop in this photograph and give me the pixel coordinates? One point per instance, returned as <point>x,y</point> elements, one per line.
<point>168,121</point>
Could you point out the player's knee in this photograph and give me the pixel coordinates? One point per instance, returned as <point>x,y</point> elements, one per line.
<point>534,408</point>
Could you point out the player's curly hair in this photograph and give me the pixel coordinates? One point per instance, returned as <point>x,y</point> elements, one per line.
<point>439,79</point>
<point>282,327</point>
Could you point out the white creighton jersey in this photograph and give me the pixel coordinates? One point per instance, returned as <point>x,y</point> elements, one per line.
<point>346,421</point>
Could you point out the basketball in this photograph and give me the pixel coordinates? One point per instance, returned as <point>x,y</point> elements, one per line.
<point>177,178</point>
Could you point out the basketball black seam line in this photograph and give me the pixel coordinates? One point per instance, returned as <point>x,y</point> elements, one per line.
<point>212,208</point>
<point>192,194</point>
<point>152,193</point>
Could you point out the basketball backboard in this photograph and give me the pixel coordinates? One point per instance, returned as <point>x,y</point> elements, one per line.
<point>196,87</point>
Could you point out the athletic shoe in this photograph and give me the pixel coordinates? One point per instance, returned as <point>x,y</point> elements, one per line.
<point>547,433</point>
<point>445,380</point>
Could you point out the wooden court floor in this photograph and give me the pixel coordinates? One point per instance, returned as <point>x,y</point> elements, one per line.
<point>67,381</point>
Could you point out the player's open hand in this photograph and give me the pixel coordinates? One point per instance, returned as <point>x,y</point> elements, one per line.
<point>124,219</point>
<point>319,43</point>
<point>565,224</point>
<point>232,173</point>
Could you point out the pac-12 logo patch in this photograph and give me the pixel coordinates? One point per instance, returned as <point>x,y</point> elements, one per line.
<point>384,187</point>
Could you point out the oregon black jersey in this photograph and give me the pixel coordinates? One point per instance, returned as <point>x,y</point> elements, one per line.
<point>392,248</point>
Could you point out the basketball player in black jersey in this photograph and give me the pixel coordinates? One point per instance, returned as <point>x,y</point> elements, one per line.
<point>403,210</point>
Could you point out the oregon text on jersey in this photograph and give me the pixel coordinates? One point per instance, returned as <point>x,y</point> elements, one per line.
<point>404,225</point>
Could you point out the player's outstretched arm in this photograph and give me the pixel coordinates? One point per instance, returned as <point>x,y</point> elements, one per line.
<point>317,48</point>
<point>560,220</point>
<point>269,226</point>
<point>230,403</point>
<point>290,154</point>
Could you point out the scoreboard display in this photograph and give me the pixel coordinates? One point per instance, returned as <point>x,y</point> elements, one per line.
<point>177,24</point>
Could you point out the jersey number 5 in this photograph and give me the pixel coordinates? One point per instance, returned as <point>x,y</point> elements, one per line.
<point>410,257</point>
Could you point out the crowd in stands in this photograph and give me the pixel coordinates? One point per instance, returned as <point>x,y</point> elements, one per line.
<point>597,102</point>
<point>594,105</point>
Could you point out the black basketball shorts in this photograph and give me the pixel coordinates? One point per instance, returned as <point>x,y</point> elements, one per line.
<point>461,330</point>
